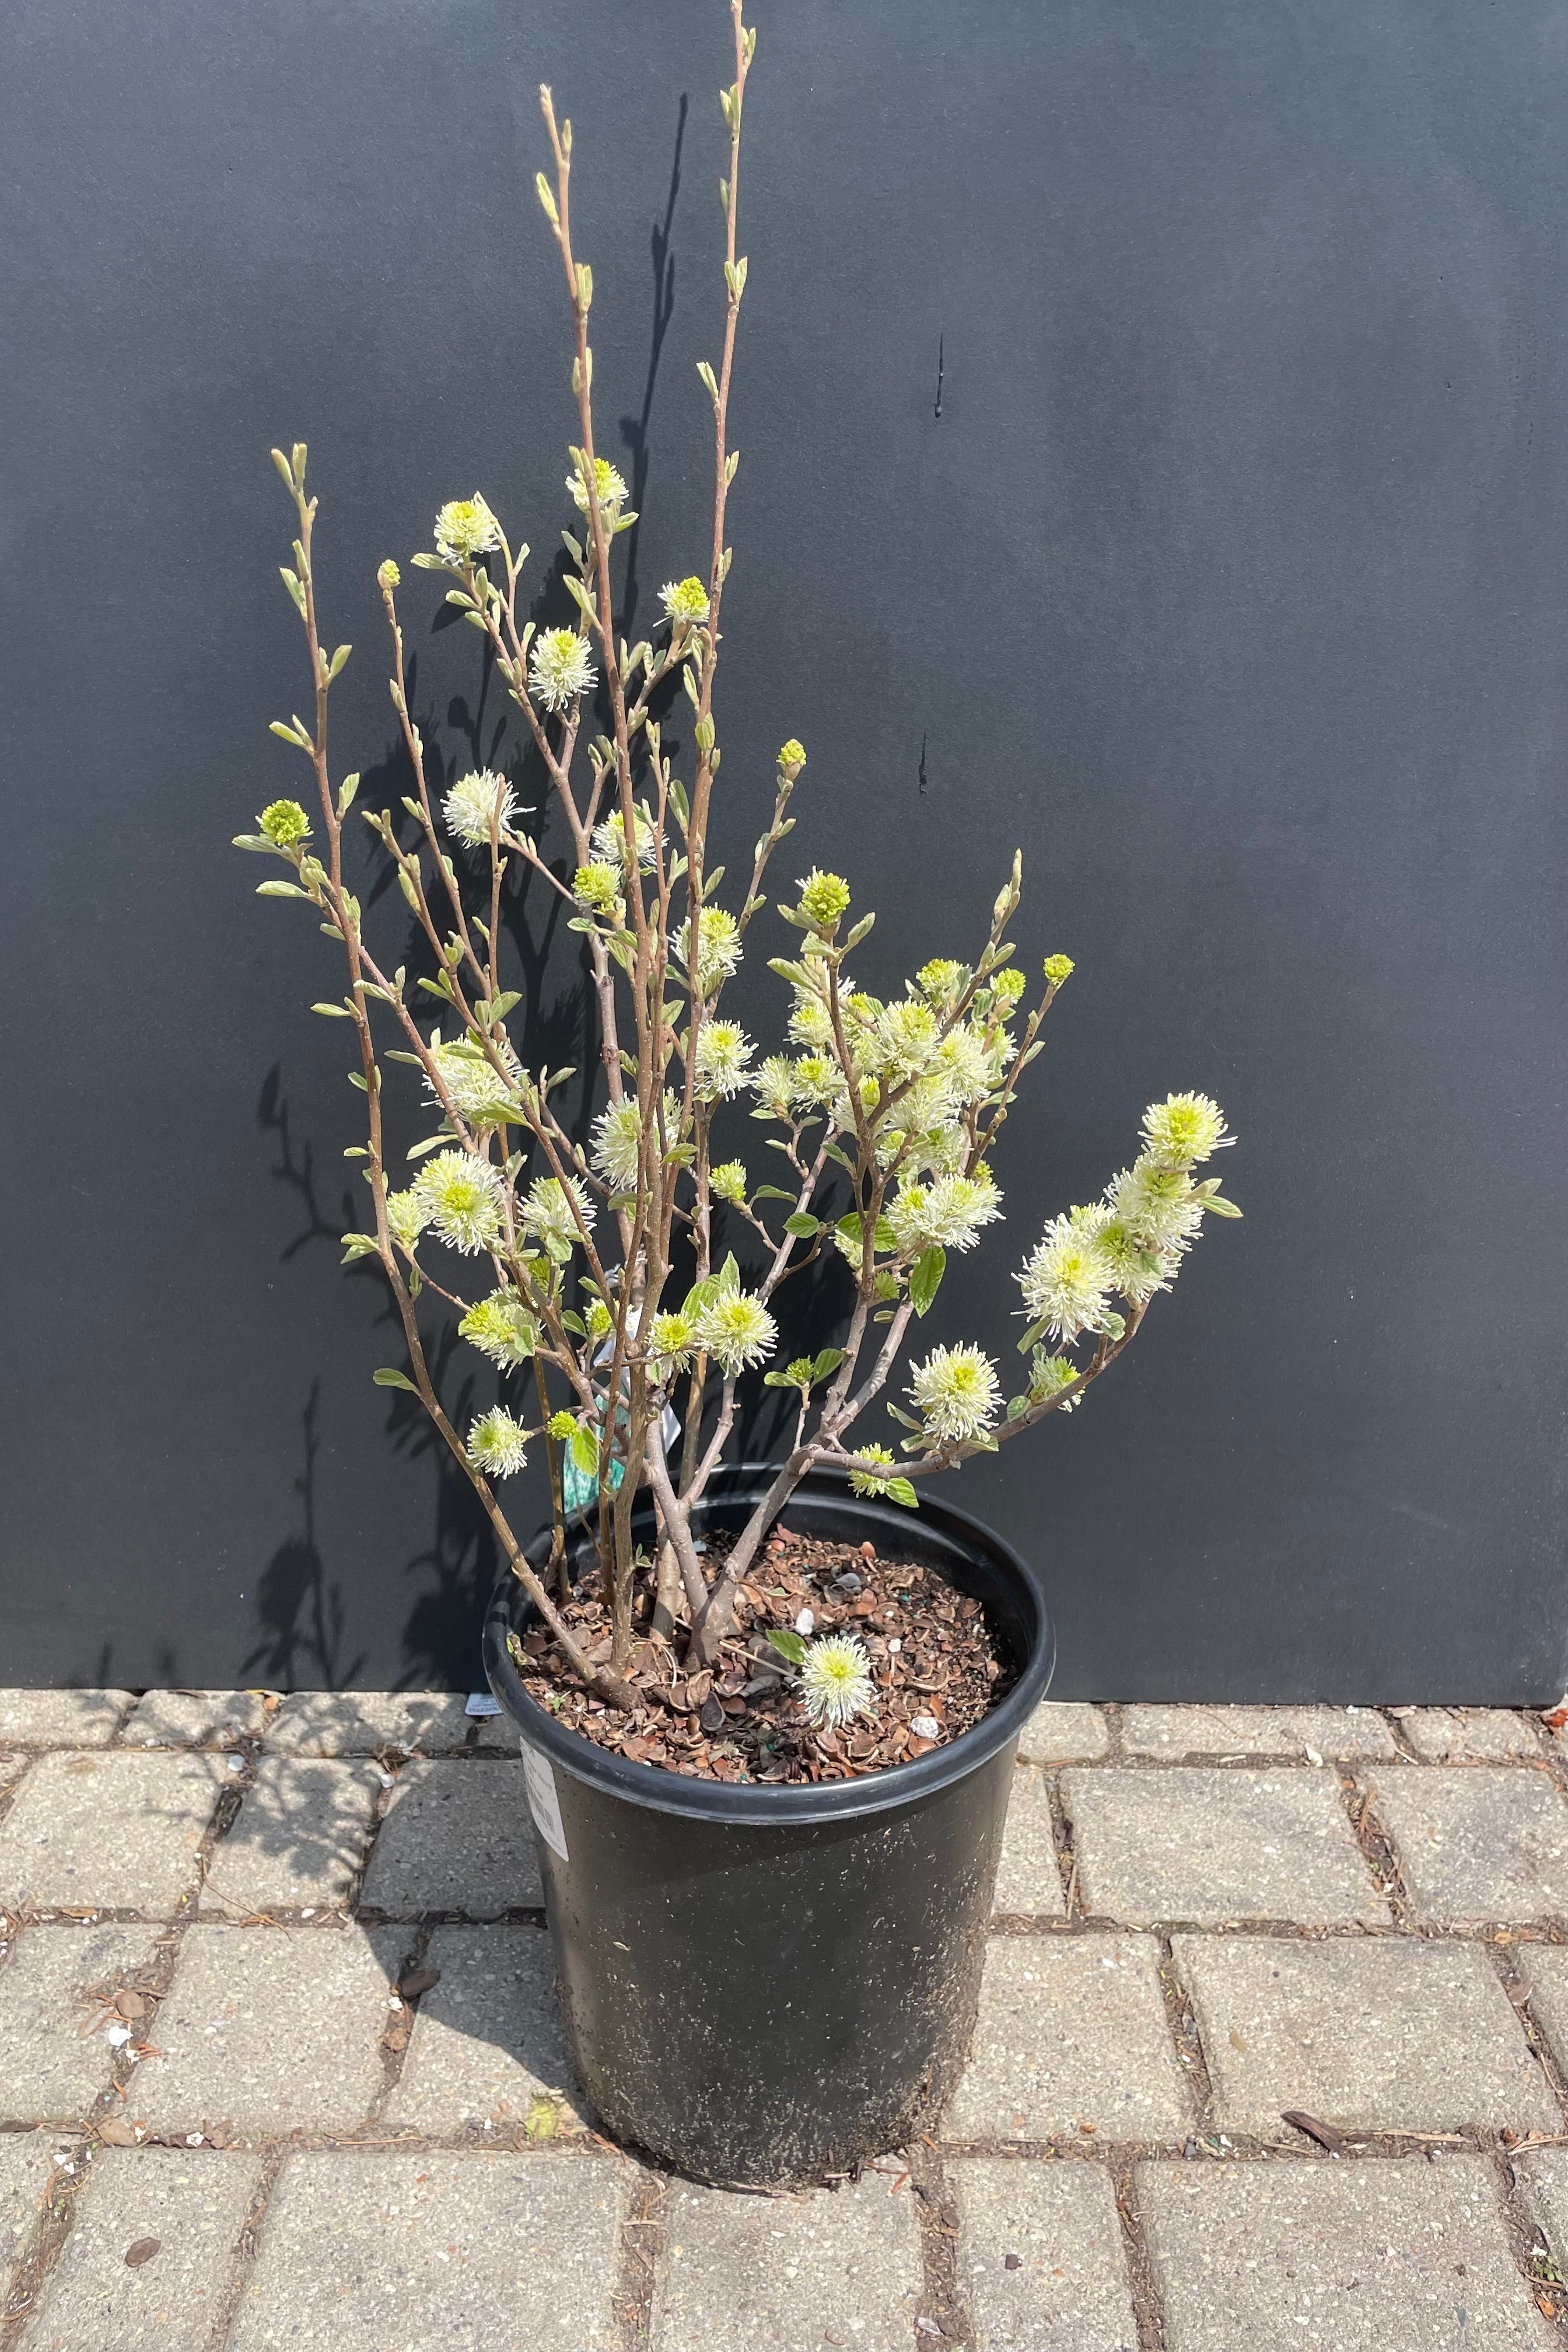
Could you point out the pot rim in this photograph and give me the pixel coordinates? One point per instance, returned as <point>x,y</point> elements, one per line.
<point>752,1803</point>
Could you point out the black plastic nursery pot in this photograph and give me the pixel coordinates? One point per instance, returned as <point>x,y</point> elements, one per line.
<point>763,1985</point>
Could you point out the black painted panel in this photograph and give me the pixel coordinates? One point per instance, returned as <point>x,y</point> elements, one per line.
<point>1229,582</point>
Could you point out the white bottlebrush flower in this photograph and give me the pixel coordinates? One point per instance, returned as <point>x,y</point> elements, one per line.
<point>684,601</point>
<point>610,841</point>
<point>773,1084</point>
<point>498,1444</point>
<point>547,1211</point>
<point>407,1216</point>
<point>736,1330</point>
<point>865,1482</point>
<point>1158,1205</point>
<point>501,1328</point>
<point>1183,1130</point>
<point>970,1067</point>
<point>1068,1278</point>
<point>835,1683</point>
<point>906,1038</point>
<point>460,1195</point>
<point>723,1052</point>
<point>947,1214</point>
<point>474,1087</point>
<point>473,803</point>
<point>608,483</point>
<point>617,1143</point>
<point>718,947</point>
<point>465,528</point>
<point>559,669</point>
<point>811,1021</point>
<point>954,1392</point>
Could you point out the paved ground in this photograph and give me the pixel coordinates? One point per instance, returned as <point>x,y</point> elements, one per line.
<point>224,2129</point>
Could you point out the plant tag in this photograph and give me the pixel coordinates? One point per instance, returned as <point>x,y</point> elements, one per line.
<point>539,1775</point>
<point>481,1703</point>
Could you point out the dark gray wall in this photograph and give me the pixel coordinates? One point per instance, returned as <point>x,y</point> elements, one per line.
<point>1229,582</point>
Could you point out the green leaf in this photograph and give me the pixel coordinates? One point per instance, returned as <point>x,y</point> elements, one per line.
<point>788,1644</point>
<point>778,1381</point>
<point>280,890</point>
<point>827,1361</point>
<point>387,1378</point>
<point>334,1012</point>
<point>898,1490</point>
<point>346,791</point>
<point>573,1323</point>
<point>885,1238</point>
<point>729,1277</point>
<point>802,1225</point>
<point>771,1192</point>
<point>584,1447</point>
<point>925,1277</point>
<point>1222,1208</point>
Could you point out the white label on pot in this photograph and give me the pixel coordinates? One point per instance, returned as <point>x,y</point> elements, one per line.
<point>539,1774</point>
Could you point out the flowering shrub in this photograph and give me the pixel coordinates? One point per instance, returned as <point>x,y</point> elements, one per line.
<point>609,1290</point>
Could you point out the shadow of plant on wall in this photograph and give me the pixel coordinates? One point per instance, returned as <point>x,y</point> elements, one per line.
<point>301,1611</point>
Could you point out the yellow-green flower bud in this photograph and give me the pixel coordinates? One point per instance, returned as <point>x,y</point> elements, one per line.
<point>561,1426</point>
<point>728,1181</point>
<point>598,1319</point>
<point>1057,968</point>
<point>684,601</point>
<point>597,886</point>
<point>823,899</point>
<point>791,759</point>
<point>285,824</point>
<point>1010,984</point>
<point>389,574</point>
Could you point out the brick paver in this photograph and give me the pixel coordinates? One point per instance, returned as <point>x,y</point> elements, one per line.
<point>1374,2034</point>
<point>1028,1883</point>
<point>1171,1733</point>
<point>368,1723</point>
<point>742,2272</point>
<point>107,1830</point>
<point>1479,1841</point>
<point>376,2253</point>
<point>1215,1845</point>
<point>1071,2031</point>
<point>1398,2255</point>
<point>52,2065</point>
<point>487,2041</point>
<point>465,2204</point>
<point>301,1837</point>
<point>1544,1967</point>
<point>60,1718</point>
<point>1544,2172</point>
<point>1040,2258</point>
<point>26,2168</point>
<point>1473,1735</point>
<point>458,1837</point>
<point>1063,1733</point>
<point>269,2029</point>
<point>195,2205</point>
<point>194,1720</point>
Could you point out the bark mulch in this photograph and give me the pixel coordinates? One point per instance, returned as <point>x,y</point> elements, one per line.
<point>935,1671</point>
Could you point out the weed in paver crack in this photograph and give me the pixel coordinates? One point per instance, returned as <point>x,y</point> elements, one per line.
<point>1147,2307</point>
<point>1181,2019</point>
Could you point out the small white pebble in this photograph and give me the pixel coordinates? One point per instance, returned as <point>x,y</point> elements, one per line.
<point>806,1623</point>
<point>117,2036</point>
<point>1313,1756</point>
<point>306,1915</point>
<point>236,1763</point>
<point>193,2139</point>
<point>925,1726</point>
<point>895,1643</point>
<point>393,2002</point>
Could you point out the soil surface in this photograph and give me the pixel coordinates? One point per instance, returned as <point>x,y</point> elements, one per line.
<point>934,1669</point>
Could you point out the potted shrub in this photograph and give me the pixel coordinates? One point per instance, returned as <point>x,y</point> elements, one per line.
<point>768,1754</point>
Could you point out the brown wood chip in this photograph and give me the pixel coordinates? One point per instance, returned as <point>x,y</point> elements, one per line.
<point>1324,2134</point>
<point>117,2132</point>
<point>130,2004</point>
